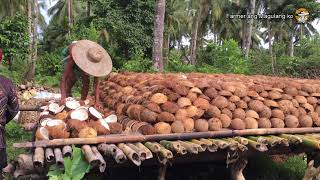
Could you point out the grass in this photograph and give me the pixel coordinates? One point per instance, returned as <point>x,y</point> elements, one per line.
<point>14,134</point>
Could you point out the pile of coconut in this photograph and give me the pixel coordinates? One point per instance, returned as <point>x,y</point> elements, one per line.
<point>177,103</point>
<point>73,120</point>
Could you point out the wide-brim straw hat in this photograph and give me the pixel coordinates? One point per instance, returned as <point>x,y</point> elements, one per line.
<point>91,58</point>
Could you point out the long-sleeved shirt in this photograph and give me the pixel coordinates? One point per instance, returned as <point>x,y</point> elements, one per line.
<point>9,106</point>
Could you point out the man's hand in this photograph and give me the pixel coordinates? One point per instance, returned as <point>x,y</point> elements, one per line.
<point>97,105</point>
<point>62,101</point>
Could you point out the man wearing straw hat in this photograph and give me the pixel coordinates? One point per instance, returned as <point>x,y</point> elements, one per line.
<point>84,58</point>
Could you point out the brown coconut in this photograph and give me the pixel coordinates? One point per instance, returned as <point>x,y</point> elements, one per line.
<point>162,128</point>
<point>214,124</point>
<point>159,98</point>
<point>165,117</point>
<point>147,129</point>
<point>277,123</point>
<point>200,113</point>
<point>188,124</point>
<point>246,99</point>
<point>225,120</point>
<point>192,96</point>
<point>100,126</point>
<point>134,111</point>
<point>291,90</point>
<point>295,103</point>
<point>294,111</point>
<point>291,121</point>
<point>195,90</point>
<point>231,106</point>
<point>42,134</point>
<point>301,99</point>
<point>239,113</point>
<point>237,124</point>
<point>192,111</point>
<point>170,107</point>
<point>302,111</point>
<point>75,124</point>
<point>286,97</point>
<point>285,106</point>
<point>220,102</point>
<point>148,116</point>
<point>271,103</point>
<point>201,103</point>
<point>277,113</point>
<point>116,128</point>
<point>173,96</point>
<point>87,132</point>
<point>305,121</point>
<point>177,127</point>
<point>241,104</point>
<point>312,100</point>
<point>181,114</point>
<point>318,109</point>
<point>275,95</point>
<point>253,94</point>
<point>211,92</point>
<point>314,116</point>
<point>256,105</point>
<point>308,107</point>
<point>266,113</point>
<point>180,89</point>
<point>252,114</point>
<point>183,102</point>
<point>227,112</point>
<point>264,94</point>
<point>264,123</point>
<point>225,93</point>
<point>234,99</point>
<point>251,123</point>
<point>63,115</point>
<point>213,111</point>
<point>201,125</point>
<point>153,107</point>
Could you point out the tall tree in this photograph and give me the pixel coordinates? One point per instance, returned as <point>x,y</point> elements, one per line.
<point>248,29</point>
<point>157,56</point>
<point>32,65</point>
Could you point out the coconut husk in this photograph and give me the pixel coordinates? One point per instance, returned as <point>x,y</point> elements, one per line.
<point>165,117</point>
<point>277,113</point>
<point>159,98</point>
<point>239,113</point>
<point>188,124</point>
<point>42,134</point>
<point>227,112</point>
<point>148,116</point>
<point>170,107</point>
<point>100,126</point>
<point>213,111</point>
<point>291,121</point>
<point>264,123</point>
<point>87,132</point>
<point>251,123</point>
<point>201,125</point>
<point>252,114</point>
<point>305,121</point>
<point>220,102</point>
<point>237,124</point>
<point>177,127</point>
<point>162,128</point>
<point>225,120</point>
<point>215,124</point>
<point>183,102</point>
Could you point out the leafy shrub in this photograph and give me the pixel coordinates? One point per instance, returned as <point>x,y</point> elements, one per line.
<point>49,64</point>
<point>14,130</point>
<point>138,64</point>
<point>75,167</point>
<point>227,57</point>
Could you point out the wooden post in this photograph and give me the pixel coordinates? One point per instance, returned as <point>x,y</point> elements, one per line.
<point>59,157</point>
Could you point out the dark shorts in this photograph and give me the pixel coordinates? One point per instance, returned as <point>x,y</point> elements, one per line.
<point>3,158</point>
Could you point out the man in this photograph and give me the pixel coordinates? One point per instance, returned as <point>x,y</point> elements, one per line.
<point>0,54</point>
<point>9,107</point>
<point>84,58</point>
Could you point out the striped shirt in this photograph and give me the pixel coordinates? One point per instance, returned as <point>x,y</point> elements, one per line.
<point>9,106</point>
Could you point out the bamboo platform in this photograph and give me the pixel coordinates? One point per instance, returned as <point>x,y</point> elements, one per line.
<point>159,152</point>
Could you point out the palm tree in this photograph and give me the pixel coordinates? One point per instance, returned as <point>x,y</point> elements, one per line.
<point>248,29</point>
<point>157,56</point>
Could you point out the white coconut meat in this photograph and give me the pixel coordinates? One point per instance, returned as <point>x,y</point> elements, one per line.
<point>42,134</point>
<point>95,113</point>
<point>55,122</point>
<point>80,114</point>
<point>104,124</point>
<point>44,113</point>
<point>60,109</point>
<point>54,107</point>
<point>111,119</point>
<point>72,104</point>
<point>44,121</point>
<point>44,108</point>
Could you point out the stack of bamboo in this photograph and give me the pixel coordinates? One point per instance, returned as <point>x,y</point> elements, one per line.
<point>177,103</point>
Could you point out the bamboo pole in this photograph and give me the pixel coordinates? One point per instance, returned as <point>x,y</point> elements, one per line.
<point>233,145</point>
<point>67,151</point>
<point>259,139</point>
<point>310,142</point>
<point>145,149</point>
<point>49,155</point>
<point>257,146</point>
<point>164,153</point>
<point>210,145</point>
<point>102,164</point>
<point>142,154</point>
<point>273,140</point>
<point>112,151</point>
<point>59,158</point>
<point>155,148</point>
<point>120,138</point>
<point>220,143</point>
<point>174,146</point>
<point>25,162</point>
<point>90,156</point>
<point>130,153</point>
<point>201,144</point>
<point>38,158</point>
<point>293,139</point>
<point>191,147</point>
<point>241,140</point>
